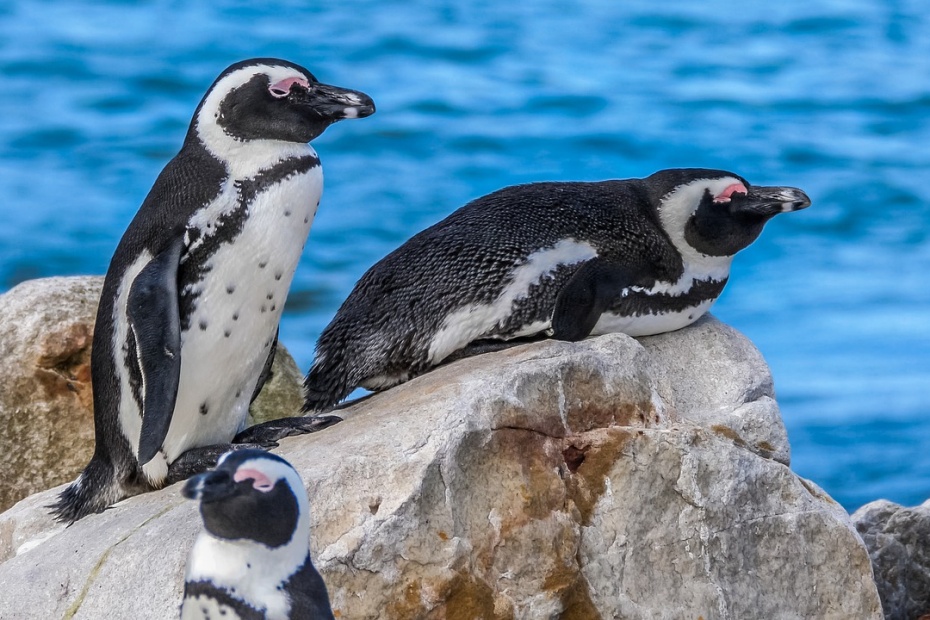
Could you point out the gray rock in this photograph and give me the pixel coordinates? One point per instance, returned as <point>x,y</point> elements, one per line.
<point>730,391</point>
<point>46,404</point>
<point>898,540</point>
<point>46,407</point>
<point>552,480</point>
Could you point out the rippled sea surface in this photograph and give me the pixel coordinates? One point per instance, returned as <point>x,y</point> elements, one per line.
<point>829,96</point>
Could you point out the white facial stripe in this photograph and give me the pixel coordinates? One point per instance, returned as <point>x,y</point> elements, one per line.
<point>244,158</point>
<point>676,209</point>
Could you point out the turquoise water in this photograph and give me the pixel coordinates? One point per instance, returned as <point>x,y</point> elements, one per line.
<point>832,97</point>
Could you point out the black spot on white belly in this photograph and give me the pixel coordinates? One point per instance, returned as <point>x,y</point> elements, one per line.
<point>287,213</point>
<point>204,409</point>
<point>264,309</point>
<point>273,306</point>
<point>227,332</point>
<point>238,393</point>
<point>230,289</point>
<point>203,326</point>
<point>263,264</point>
<point>277,275</point>
<point>204,243</point>
<point>306,219</point>
<point>235,316</point>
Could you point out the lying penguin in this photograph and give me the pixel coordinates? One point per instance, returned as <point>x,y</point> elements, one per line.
<point>565,260</point>
<point>252,559</point>
<point>187,324</point>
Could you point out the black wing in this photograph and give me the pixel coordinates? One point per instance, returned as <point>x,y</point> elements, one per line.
<point>156,327</point>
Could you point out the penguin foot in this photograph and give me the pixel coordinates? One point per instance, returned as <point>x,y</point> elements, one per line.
<point>199,460</point>
<point>268,433</point>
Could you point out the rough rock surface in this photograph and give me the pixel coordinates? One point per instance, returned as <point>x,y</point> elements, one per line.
<point>553,480</point>
<point>46,404</point>
<point>898,540</point>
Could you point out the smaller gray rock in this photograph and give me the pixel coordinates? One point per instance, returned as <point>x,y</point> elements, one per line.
<point>898,540</point>
<point>282,395</point>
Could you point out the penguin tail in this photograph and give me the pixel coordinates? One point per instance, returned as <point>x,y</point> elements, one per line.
<point>94,490</point>
<point>324,387</point>
<point>333,374</point>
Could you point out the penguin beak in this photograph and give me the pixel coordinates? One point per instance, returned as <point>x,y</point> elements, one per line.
<point>335,103</point>
<point>769,201</point>
<point>210,486</point>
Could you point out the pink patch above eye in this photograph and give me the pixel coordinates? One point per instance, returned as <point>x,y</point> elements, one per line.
<point>260,481</point>
<point>282,88</point>
<point>736,188</point>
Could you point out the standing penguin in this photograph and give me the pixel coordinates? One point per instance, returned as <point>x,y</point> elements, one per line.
<point>187,324</point>
<point>252,559</point>
<point>566,260</point>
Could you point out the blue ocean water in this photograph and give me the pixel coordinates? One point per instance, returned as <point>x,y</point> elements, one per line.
<point>830,96</point>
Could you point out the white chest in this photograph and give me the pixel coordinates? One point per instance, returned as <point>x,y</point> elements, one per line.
<point>249,570</point>
<point>237,313</point>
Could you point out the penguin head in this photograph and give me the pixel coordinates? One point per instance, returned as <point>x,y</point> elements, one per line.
<point>272,99</point>
<point>714,212</point>
<point>251,495</point>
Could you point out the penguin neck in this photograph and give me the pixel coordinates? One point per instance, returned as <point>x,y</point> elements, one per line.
<point>245,158</point>
<point>677,210</point>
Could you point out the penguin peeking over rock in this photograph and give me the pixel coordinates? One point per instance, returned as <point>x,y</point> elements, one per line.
<point>252,558</point>
<point>559,260</point>
<point>187,324</point>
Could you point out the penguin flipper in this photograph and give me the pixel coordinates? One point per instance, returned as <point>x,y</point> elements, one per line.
<point>266,370</point>
<point>586,295</point>
<point>155,323</point>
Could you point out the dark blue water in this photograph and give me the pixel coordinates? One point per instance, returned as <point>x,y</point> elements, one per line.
<point>833,97</point>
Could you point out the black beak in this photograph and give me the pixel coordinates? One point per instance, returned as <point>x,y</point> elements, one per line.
<point>210,486</point>
<point>335,103</point>
<point>769,201</point>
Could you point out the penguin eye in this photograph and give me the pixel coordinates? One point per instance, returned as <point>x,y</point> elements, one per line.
<point>736,188</point>
<point>260,482</point>
<point>282,89</point>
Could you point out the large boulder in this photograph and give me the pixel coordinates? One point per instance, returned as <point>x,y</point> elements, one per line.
<point>609,478</point>
<point>46,403</point>
<point>898,540</point>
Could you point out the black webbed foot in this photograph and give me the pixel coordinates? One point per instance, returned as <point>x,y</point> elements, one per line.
<point>199,460</point>
<point>271,431</point>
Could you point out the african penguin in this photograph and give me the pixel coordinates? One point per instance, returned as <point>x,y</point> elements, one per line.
<point>187,324</point>
<point>252,559</point>
<point>566,260</point>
